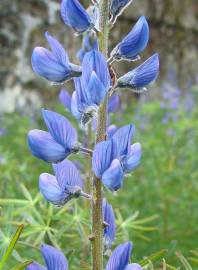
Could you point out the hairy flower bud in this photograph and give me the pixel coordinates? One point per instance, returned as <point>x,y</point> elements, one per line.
<point>134,43</point>
<point>74,15</point>
<point>53,66</point>
<point>138,78</point>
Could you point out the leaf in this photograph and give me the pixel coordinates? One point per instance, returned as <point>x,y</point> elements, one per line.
<point>194,260</point>
<point>21,266</point>
<point>183,261</point>
<point>11,246</point>
<point>168,266</point>
<point>13,201</point>
<point>146,220</point>
<point>153,257</point>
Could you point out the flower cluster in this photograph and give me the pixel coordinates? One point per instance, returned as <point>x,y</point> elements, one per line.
<point>112,158</point>
<point>55,259</point>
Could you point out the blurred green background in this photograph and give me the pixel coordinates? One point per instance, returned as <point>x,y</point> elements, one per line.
<point>157,207</point>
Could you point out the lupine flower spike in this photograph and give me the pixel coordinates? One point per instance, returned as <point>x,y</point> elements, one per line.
<point>109,219</point>
<point>58,143</point>
<point>54,260</point>
<point>65,185</point>
<point>75,16</point>
<point>120,257</point>
<point>134,43</point>
<point>137,79</point>
<point>53,66</point>
<point>114,158</point>
<point>94,81</point>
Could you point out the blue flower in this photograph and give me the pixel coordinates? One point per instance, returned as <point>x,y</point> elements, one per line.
<point>109,219</point>
<point>71,103</point>
<point>53,66</point>
<point>134,43</point>
<point>117,7</point>
<point>86,100</point>
<point>58,143</point>
<point>113,158</point>
<point>74,15</point>
<point>65,185</point>
<point>120,257</point>
<point>54,260</point>
<point>90,89</point>
<point>90,42</point>
<point>141,76</point>
<point>133,266</point>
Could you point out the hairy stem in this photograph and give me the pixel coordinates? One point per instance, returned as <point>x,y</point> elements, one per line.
<point>97,218</point>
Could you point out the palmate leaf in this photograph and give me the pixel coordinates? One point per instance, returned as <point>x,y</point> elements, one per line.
<point>133,222</point>
<point>11,246</point>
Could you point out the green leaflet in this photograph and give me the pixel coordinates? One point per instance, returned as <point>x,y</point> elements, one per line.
<point>11,247</point>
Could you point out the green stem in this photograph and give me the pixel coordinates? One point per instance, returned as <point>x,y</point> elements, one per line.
<point>97,218</point>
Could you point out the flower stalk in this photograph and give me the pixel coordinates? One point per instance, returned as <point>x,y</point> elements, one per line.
<point>97,217</point>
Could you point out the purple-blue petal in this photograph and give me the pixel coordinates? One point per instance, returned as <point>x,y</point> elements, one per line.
<point>109,218</point>
<point>103,155</point>
<point>45,64</point>
<point>111,131</point>
<point>42,145</point>
<point>35,266</point>
<point>74,15</point>
<point>50,189</point>
<point>112,178</point>
<point>90,42</point>
<point>133,266</point>
<point>95,90</point>
<point>95,61</point>
<point>81,95</point>
<point>132,160</point>
<point>61,129</point>
<point>123,137</point>
<point>58,50</point>
<point>80,54</point>
<point>65,99</point>
<point>114,103</point>
<point>120,257</point>
<point>141,76</point>
<point>67,174</point>
<point>54,258</point>
<point>136,40</point>
<point>75,106</point>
